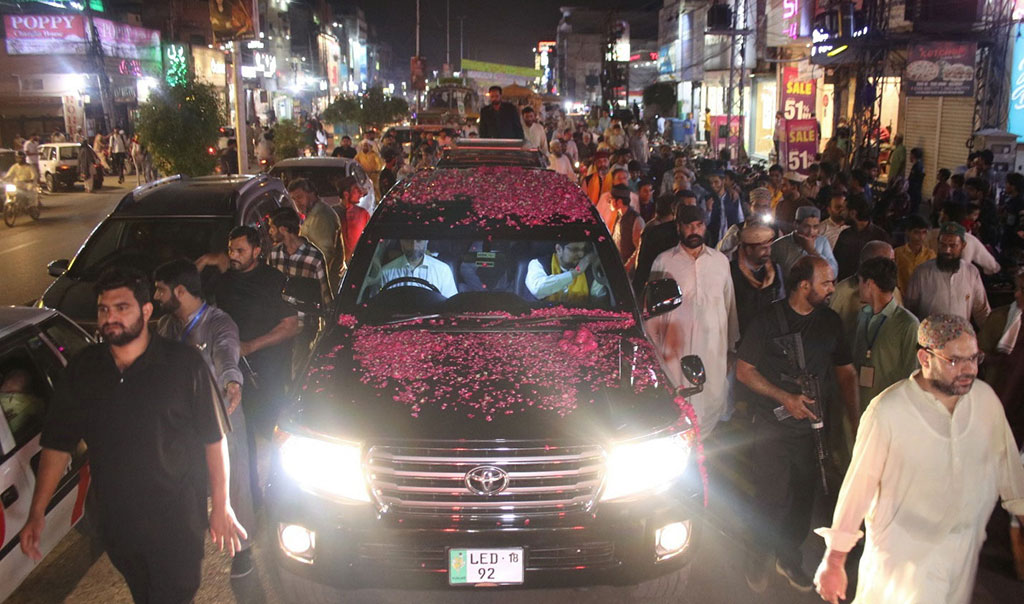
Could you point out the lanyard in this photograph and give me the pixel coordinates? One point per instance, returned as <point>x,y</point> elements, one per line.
<point>192,323</point>
<point>871,339</point>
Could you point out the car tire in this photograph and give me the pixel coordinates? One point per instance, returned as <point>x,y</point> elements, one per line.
<point>51,183</point>
<point>667,588</point>
<point>297,590</point>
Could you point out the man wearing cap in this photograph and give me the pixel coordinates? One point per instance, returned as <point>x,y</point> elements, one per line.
<point>948,284</point>
<point>785,211</point>
<point>705,323</point>
<point>756,279</point>
<point>760,213</point>
<point>933,454</point>
<point>804,241</point>
<point>626,227</point>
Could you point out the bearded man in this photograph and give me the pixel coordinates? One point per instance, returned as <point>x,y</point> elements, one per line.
<point>705,324</point>
<point>948,285</point>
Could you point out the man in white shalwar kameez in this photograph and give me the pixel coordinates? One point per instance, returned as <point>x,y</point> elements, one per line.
<point>933,453</point>
<point>705,324</point>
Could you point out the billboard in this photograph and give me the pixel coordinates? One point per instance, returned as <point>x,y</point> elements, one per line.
<point>233,19</point>
<point>799,147</point>
<point>940,69</point>
<point>67,35</point>
<point>1016,113</point>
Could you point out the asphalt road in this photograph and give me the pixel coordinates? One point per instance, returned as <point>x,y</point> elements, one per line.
<point>67,219</point>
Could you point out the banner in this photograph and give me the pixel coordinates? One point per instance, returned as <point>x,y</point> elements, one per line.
<point>74,115</point>
<point>941,69</point>
<point>798,96</point>
<point>799,148</point>
<point>722,135</point>
<point>1016,113</point>
<point>128,41</point>
<point>45,34</point>
<point>232,19</point>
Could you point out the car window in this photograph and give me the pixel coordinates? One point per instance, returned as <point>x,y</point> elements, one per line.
<point>323,178</point>
<point>24,391</point>
<point>259,212</point>
<point>68,338</point>
<point>146,243</point>
<point>503,275</point>
<point>69,152</point>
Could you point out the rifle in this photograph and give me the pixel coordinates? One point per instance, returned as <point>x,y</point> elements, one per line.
<point>810,386</point>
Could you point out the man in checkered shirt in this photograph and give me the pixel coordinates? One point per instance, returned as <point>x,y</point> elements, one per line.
<point>296,257</point>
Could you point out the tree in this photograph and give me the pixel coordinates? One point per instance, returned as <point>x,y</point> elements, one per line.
<point>177,124</point>
<point>288,140</point>
<point>660,97</point>
<point>373,108</point>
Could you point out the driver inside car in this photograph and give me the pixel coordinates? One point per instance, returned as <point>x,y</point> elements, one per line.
<point>565,276</point>
<point>416,262</point>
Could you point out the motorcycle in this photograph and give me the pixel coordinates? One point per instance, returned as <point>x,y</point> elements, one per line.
<point>22,199</point>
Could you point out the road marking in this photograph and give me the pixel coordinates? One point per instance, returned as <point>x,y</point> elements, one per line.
<point>17,247</point>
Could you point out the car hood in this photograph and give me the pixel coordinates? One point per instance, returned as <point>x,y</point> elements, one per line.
<point>594,382</point>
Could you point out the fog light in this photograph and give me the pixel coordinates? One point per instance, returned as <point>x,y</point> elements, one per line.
<point>671,539</point>
<point>297,542</point>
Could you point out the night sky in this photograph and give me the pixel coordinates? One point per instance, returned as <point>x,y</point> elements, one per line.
<point>500,31</point>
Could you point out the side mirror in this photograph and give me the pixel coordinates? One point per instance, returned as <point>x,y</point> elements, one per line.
<point>661,296</point>
<point>304,294</point>
<point>58,267</point>
<point>693,376</point>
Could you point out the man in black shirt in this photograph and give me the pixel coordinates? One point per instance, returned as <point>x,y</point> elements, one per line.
<point>784,459</point>
<point>757,280</point>
<point>852,240</point>
<point>149,412</point>
<point>499,119</point>
<point>345,149</point>
<point>250,292</point>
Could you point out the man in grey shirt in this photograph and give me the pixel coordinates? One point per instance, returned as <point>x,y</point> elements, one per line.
<point>948,285</point>
<point>190,319</point>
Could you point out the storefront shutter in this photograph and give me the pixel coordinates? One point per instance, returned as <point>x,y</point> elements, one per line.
<point>955,127</point>
<point>923,130</point>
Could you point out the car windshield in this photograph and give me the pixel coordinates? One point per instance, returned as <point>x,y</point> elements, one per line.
<point>408,278</point>
<point>146,243</point>
<point>324,178</point>
<point>69,152</point>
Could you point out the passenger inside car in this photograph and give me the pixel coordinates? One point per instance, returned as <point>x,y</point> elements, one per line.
<point>22,406</point>
<point>566,275</point>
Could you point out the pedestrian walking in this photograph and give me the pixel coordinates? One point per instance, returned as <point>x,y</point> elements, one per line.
<point>320,224</point>
<point>725,207</point>
<point>372,164</point>
<point>389,174</point>
<point>559,162</point>
<point>784,453</point>
<point>190,319</point>
<point>627,224</point>
<point>87,166</point>
<point>499,119</point>
<point>852,240</point>
<point>353,217</point>
<point>150,414</point>
<point>836,223</point>
<point>933,454</point>
<point>914,252</point>
<point>948,285</point>
<point>118,153</point>
<point>31,149</point>
<point>897,160</point>
<point>846,299</point>
<point>706,323</point>
<point>657,238</point>
<point>757,280</point>
<point>804,241</point>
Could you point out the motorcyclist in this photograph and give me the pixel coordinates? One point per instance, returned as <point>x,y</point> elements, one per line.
<point>21,174</point>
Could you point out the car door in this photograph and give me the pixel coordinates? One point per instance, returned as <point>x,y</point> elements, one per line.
<point>30,364</point>
<point>46,159</point>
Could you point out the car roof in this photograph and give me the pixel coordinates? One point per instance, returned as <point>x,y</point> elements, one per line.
<point>488,197</point>
<point>15,318</point>
<point>184,196</point>
<point>489,155</point>
<point>314,162</point>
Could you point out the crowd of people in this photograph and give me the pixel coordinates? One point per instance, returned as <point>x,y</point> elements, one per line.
<point>116,154</point>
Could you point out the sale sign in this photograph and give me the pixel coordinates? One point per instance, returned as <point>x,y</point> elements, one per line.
<point>797,96</point>
<point>799,148</point>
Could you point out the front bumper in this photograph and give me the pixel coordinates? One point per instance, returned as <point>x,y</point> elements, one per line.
<point>355,547</point>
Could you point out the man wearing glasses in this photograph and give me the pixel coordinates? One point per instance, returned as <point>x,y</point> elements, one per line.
<point>933,454</point>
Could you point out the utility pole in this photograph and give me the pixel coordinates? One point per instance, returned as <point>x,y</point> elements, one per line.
<point>99,63</point>
<point>447,33</point>
<point>241,130</point>
<point>418,95</point>
<point>462,22</point>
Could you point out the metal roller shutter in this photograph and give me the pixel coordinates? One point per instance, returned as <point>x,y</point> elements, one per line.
<point>955,128</point>
<point>922,130</point>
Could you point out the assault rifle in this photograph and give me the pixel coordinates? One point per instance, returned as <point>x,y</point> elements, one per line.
<point>810,386</point>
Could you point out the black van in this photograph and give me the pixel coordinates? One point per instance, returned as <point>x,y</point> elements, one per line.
<point>473,419</point>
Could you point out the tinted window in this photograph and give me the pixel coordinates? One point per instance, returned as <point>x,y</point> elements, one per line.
<point>324,179</point>
<point>68,338</point>
<point>69,152</point>
<point>146,243</point>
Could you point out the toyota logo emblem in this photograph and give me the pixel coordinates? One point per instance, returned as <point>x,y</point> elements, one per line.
<point>486,480</point>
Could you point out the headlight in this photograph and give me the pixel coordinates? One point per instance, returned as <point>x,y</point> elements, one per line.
<point>330,468</point>
<point>11,188</point>
<point>645,466</point>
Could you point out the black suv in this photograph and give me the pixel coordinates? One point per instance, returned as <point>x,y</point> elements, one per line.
<point>163,220</point>
<point>466,421</point>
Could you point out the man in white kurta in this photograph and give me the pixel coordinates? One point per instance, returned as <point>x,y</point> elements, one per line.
<point>705,324</point>
<point>933,453</point>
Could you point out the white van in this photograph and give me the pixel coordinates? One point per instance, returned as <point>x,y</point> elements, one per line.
<point>58,165</point>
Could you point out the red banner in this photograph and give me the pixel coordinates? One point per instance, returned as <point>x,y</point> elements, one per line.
<point>722,136</point>
<point>797,96</point>
<point>36,34</point>
<point>800,146</point>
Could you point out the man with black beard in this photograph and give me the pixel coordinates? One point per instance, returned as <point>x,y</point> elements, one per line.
<point>948,285</point>
<point>756,279</point>
<point>784,459</point>
<point>151,417</point>
<point>192,320</point>
<point>499,119</point>
<point>705,323</point>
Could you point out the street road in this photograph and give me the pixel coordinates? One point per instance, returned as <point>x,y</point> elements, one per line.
<point>67,219</point>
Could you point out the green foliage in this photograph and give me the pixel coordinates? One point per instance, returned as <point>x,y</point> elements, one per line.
<point>288,140</point>
<point>373,108</point>
<point>661,98</point>
<point>177,124</point>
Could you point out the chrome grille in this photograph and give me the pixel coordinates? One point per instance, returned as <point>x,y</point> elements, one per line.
<point>431,481</point>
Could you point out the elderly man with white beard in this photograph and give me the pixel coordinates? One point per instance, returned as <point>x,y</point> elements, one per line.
<point>705,324</point>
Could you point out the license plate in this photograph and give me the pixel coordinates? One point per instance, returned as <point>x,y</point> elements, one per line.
<point>485,566</point>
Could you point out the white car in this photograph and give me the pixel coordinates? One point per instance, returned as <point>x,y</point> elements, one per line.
<point>322,171</point>
<point>58,165</point>
<point>35,345</point>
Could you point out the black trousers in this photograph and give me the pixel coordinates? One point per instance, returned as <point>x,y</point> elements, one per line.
<point>785,480</point>
<point>161,572</point>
